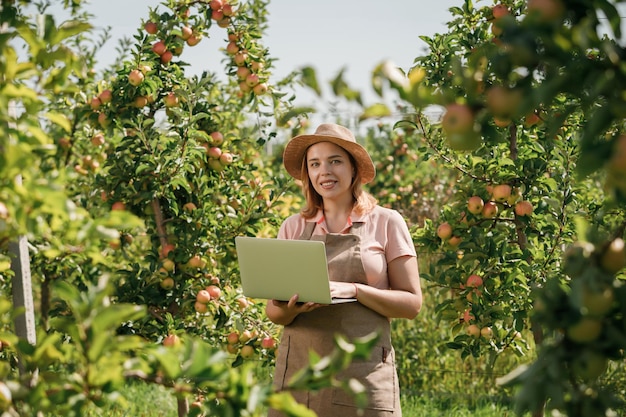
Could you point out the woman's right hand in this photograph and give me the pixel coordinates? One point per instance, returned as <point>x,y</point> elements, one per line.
<point>283,312</point>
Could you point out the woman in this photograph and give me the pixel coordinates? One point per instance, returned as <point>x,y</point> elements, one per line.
<point>371,257</point>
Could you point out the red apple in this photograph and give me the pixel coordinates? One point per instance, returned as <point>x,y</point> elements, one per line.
<point>232,338</point>
<point>474,281</point>
<point>501,192</point>
<point>214,291</point>
<point>226,158</point>
<point>217,15</point>
<point>227,9</point>
<point>232,48</point>
<point>475,204</point>
<point>189,207</point>
<point>240,58</point>
<point>490,210</point>
<point>186,32</point>
<point>103,120</point>
<point>458,118</point>
<point>473,330</point>
<point>97,139</point>
<point>168,265</point>
<point>444,231</point>
<point>260,89</point>
<point>486,332</point>
<point>252,80</point>
<point>95,103</point>
<point>216,4</point>
<point>118,206</point>
<point>140,101</point>
<point>268,342</point>
<point>499,10</point>
<point>193,40</point>
<point>171,100</point>
<point>151,28</point>
<point>159,48</point>
<point>454,241</point>
<point>166,249</point>
<point>545,10</point>
<point>243,72</point>
<point>203,296</point>
<point>523,208</point>
<point>214,152</point>
<point>247,351</point>
<point>217,138</point>
<point>244,88</point>
<point>167,56</point>
<point>503,102</point>
<point>135,77</point>
<point>171,340</point>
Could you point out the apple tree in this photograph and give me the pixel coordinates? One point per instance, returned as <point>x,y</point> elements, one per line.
<point>531,250</point>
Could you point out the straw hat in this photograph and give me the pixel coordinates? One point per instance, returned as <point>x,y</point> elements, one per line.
<point>328,132</point>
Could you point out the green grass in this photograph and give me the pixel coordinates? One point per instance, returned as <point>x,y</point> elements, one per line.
<point>145,400</point>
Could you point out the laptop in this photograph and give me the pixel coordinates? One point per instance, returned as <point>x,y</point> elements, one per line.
<point>277,269</point>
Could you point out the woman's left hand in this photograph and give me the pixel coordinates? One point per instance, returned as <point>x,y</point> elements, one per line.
<point>343,289</point>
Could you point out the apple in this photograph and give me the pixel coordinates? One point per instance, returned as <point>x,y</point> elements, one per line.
<point>617,161</point>
<point>496,29</point>
<point>232,48</point>
<point>227,9</point>
<point>189,207</point>
<point>243,303</point>
<point>464,141</point>
<point>171,340</point>
<point>473,330</point>
<point>216,4</point>
<point>454,241</point>
<point>193,40</point>
<point>502,122</point>
<point>171,100</point>
<point>613,259</point>
<point>217,15</point>
<point>214,152</point>
<point>247,351</point>
<point>226,158</point>
<point>499,10</point>
<point>95,103</point>
<point>503,102</point>
<point>244,88</point>
<point>501,192</point>
<point>214,291</point>
<point>135,77</point>
<point>159,47</point>
<point>115,244</point>
<point>257,66</point>
<point>458,118</point>
<point>490,210</point>
<point>233,37</point>
<point>168,264</point>
<point>589,365</point>
<point>531,119</point>
<point>166,249</point>
<point>118,205</point>
<point>252,80</point>
<point>545,10</point>
<point>475,204</point>
<point>232,338</point>
<point>151,27</point>
<point>243,72</point>
<point>167,56</point>
<point>268,342</point>
<point>586,330</point>
<point>167,283</point>
<point>217,138</point>
<point>203,296</point>
<point>215,165</point>
<point>186,32</point>
<point>240,58</point>
<point>245,336</point>
<point>260,89</point>
<point>103,119</point>
<point>523,208</point>
<point>474,281</point>
<point>597,302</point>
<point>140,101</point>
<point>444,231</point>
<point>486,332</point>
<point>97,139</point>
<point>65,143</point>
<point>233,349</point>
<point>196,261</point>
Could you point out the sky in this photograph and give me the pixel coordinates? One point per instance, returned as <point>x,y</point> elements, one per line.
<point>326,34</point>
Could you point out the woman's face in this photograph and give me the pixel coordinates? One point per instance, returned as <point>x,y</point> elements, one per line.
<point>330,170</point>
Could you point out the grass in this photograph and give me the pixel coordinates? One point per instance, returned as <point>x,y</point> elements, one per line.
<point>155,401</point>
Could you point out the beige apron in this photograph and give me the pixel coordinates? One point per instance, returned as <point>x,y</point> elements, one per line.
<point>315,330</point>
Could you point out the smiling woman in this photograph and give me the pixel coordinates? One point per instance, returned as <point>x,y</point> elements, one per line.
<point>371,258</point>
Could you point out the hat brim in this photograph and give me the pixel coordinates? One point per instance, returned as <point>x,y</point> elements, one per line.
<point>296,148</point>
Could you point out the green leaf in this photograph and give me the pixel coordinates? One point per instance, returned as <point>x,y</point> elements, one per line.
<point>375,111</point>
<point>67,30</point>
<point>60,119</point>
<point>309,79</point>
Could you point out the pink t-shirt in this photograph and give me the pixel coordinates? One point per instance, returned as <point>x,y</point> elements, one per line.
<point>385,236</point>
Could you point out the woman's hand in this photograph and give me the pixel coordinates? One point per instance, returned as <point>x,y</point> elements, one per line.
<point>343,289</point>
<point>284,312</point>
